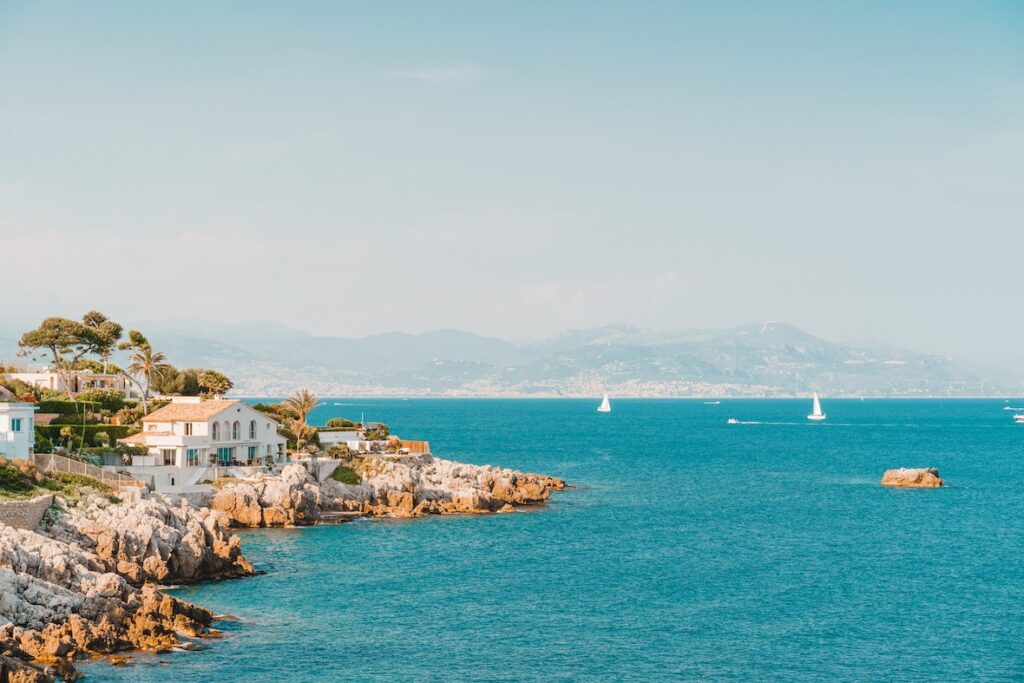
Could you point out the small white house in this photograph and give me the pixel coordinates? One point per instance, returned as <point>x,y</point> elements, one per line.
<point>335,438</point>
<point>79,381</point>
<point>193,440</point>
<point>17,430</point>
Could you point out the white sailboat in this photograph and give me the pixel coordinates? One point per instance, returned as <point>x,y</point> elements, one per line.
<point>605,406</point>
<point>816,413</point>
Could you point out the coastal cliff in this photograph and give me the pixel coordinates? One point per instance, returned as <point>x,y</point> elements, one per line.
<point>78,585</point>
<point>81,584</point>
<point>397,486</point>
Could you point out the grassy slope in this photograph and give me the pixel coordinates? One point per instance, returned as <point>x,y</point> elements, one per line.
<point>21,481</point>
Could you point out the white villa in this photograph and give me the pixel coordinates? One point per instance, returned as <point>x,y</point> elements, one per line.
<point>17,429</point>
<point>193,440</point>
<point>80,380</point>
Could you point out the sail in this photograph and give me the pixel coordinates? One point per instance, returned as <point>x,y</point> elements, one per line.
<point>817,406</point>
<point>605,406</point>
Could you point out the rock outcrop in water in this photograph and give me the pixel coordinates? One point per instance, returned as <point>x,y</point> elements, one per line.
<point>399,486</point>
<point>79,587</point>
<point>916,478</point>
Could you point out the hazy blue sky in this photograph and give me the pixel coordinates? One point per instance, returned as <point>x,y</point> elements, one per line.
<point>856,169</point>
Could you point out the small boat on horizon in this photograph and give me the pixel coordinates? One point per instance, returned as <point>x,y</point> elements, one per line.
<point>816,415</point>
<point>606,406</point>
<point>712,403</point>
<point>1019,418</point>
<point>732,421</point>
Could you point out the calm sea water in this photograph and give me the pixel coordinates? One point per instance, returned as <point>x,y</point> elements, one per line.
<point>691,550</point>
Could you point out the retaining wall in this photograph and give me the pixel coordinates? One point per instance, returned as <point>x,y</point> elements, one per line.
<point>25,514</point>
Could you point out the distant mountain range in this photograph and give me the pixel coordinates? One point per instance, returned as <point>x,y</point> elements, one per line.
<point>765,359</point>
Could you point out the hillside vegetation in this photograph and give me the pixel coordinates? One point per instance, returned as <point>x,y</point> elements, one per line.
<point>20,480</point>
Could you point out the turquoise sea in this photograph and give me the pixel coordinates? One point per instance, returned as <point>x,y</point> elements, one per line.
<point>690,550</point>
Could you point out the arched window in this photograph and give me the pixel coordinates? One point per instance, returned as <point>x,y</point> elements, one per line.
<point>236,430</point>
<point>216,431</point>
<point>252,429</point>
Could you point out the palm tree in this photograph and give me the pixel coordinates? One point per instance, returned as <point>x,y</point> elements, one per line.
<point>150,364</point>
<point>302,404</point>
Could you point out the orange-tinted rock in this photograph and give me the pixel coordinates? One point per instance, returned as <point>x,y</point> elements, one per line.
<point>917,478</point>
<point>400,502</point>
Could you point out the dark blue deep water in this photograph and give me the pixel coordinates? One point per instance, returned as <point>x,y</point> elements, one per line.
<point>691,550</point>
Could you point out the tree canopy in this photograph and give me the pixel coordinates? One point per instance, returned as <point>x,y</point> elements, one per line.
<point>66,341</point>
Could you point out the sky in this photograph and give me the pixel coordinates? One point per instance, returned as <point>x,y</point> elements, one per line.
<point>517,169</point>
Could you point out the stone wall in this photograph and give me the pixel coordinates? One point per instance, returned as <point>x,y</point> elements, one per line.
<point>25,514</point>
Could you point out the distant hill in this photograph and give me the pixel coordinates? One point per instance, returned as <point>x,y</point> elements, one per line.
<point>764,359</point>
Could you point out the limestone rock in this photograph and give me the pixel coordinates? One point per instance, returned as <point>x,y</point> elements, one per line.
<point>402,486</point>
<point>241,503</point>
<point>74,589</point>
<point>918,478</point>
<point>151,540</point>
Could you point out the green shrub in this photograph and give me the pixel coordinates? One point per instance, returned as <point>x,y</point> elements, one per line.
<point>88,432</point>
<point>47,394</point>
<point>65,407</point>
<point>378,432</point>
<point>24,480</point>
<point>19,388</point>
<point>338,450</point>
<point>98,452</point>
<point>13,480</point>
<point>72,419</point>
<point>342,424</point>
<point>73,484</point>
<point>346,475</point>
<point>129,415</point>
<point>110,400</point>
<point>43,444</point>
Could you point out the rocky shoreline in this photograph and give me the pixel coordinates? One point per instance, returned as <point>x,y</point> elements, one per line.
<point>395,486</point>
<point>84,583</point>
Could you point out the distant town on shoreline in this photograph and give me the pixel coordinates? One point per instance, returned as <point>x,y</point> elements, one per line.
<point>762,360</point>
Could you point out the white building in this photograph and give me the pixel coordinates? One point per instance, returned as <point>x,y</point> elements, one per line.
<point>192,440</point>
<point>80,380</point>
<point>17,430</point>
<point>343,438</point>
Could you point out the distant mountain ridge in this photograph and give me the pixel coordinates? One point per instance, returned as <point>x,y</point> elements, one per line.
<point>762,359</point>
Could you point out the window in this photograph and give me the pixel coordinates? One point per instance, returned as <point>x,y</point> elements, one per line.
<point>192,457</point>
<point>216,431</point>
<point>236,429</point>
<point>252,452</point>
<point>252,429</point>
<point>16,424</point>
<point>225,456</point>
<point>151,427</point>
<point>188,429</point>
<point>168,455</point>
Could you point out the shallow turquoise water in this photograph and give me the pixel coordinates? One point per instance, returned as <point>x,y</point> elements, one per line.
<point>692,550</point>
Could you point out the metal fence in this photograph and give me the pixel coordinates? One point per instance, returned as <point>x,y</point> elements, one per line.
<point>49,462</point>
